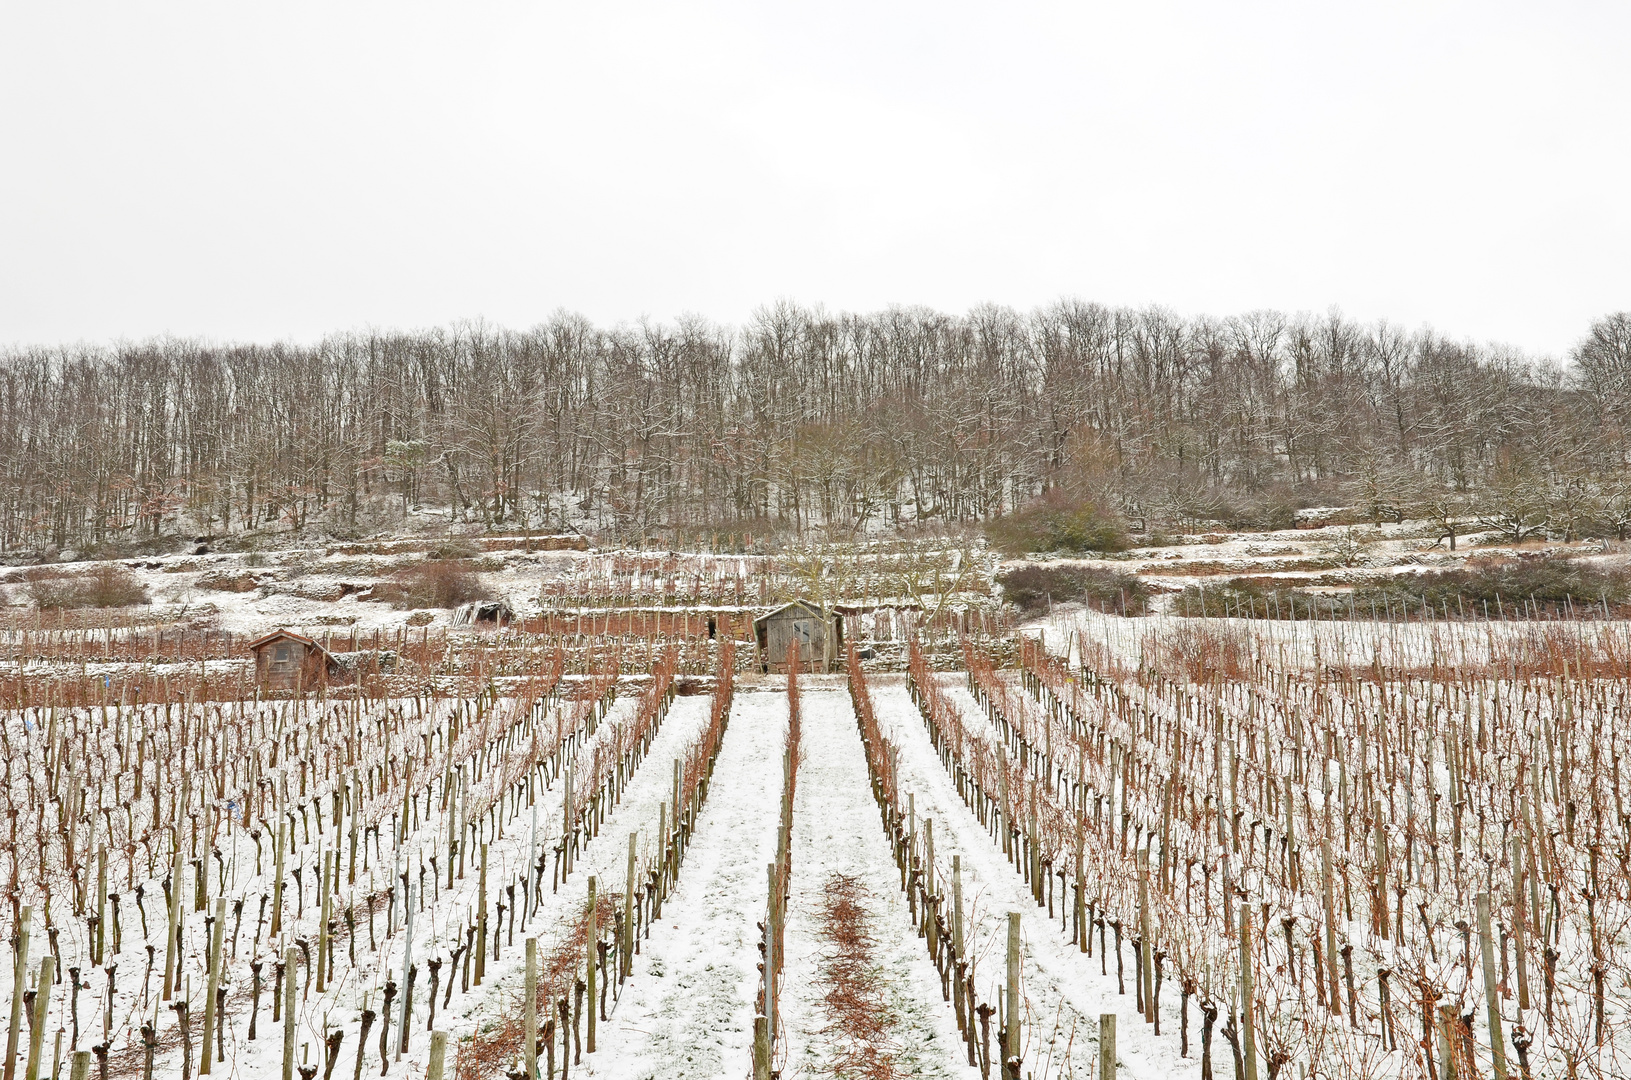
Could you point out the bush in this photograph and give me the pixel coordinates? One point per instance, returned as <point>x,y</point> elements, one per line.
<point>1246,598</point>
<point>103,587</point>
<point>1267,511</point>
<point>438,583</point>
<point>1548,583</point>
<point>451,548</point>
<point>1059,522</point>
<point>1551,585</point>
<point>1030,587</point>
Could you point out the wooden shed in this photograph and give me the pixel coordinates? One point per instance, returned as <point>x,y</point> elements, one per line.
<point>285,660</point>
<point>808,625</point>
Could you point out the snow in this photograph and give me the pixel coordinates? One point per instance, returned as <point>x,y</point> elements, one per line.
<point>837,830</point>
<point>1064,992</point>
<point>688,1010</point>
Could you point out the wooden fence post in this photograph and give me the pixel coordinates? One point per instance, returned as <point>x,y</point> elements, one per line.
<point>278,846</point>
<point>627,943</point>
<point>213,966</point>
<point>1146,950</point>
<point>591,937</point>
<point>1447,1021</point>
<point>761,1048</point>
<point>438,1057</point>
<point>770,957</point>
<point>530,1053</point>
<point>42,1006</point>
<point>1519,931</point>
<point>1107,1046</point>
<point>1248,1021</point>
<point>406,1023</point>
<point>1497,1043</point>
<point>172,962</point>
<point>325,907</point>
<point>19,986</point>
<point>1010,1049</point>
<point>481,919</point>
<point>290,957</point>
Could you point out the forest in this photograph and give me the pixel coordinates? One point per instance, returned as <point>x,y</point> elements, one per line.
<point>809,419</point>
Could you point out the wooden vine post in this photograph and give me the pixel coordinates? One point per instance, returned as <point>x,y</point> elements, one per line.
<point>591,936</point>
<point>19,985</point>
<point>42,1007</point>
<point>1010,1050</point>
<point>290,956</point>
<point>214,968</point>
<point>627,944</point>
<point>1248,1037</point>
<point>172,962</point>
<point>1497,1043</point>
<point>530,1014</point>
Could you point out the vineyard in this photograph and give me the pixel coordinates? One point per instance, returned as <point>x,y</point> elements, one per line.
<point>615,837</point>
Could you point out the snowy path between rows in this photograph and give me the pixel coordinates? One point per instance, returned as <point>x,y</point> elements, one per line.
<point>687,1010</point>
<point>1065,994</point>
<point>837,830</point>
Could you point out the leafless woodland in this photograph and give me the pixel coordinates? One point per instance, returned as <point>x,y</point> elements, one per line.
<point>805,417</point>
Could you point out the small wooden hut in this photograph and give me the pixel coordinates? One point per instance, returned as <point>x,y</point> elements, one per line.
<point>285,660</point>
<point>818,632</point>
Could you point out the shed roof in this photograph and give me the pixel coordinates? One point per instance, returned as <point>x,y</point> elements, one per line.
<point>804,605</point>
<point>289,635</point>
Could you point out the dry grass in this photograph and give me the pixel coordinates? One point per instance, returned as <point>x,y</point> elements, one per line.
<point>104,586</point>
<point>858,1017</point>
<point>438,583</point>
<point>497,1045</point>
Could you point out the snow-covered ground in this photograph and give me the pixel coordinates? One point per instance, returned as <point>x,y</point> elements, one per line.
<point>1064,992</point>
<point>688,1009</point>
<point>837,831</point>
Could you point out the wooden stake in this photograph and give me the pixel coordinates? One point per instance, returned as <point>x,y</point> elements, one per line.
<point>172,962</point>
<point>628,913</point>
<point>1146,949</point>
<point>530,1030</point>
<point>278,846</point>
<point>1011,1048</point>
<point>761,1048</point>
<point>19,986</point>
<point>592,937</point>
<point>290,957</point>
<point>1519,918</point>
<point>438,1057</point>
<point>42,1007</point>
<point>1107,1046</point>
<point>1497,1042</point>
<point>481,918</point>
<point>214,967</point>
<point>1248,1024</point>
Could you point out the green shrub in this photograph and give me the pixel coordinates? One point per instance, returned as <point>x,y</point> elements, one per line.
<point>1030,587</point>
<point>1058,521</point>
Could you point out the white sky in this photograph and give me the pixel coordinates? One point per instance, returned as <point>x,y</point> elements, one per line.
<point>283,170</point>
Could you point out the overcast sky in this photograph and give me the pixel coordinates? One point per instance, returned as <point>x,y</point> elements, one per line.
<point>264,171</point>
